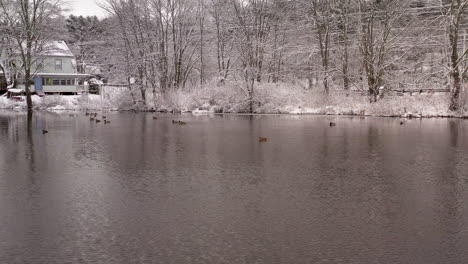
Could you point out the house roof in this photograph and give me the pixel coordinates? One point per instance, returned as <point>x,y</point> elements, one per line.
<point>57,48</point>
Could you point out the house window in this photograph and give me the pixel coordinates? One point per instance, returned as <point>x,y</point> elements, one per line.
<point>68,82</point>
<point>58,64</point>
<point>55,82</point>
<point>63,82</point>
<point>49,81</point>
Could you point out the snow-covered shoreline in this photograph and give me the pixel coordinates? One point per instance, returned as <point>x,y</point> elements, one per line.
<point>328,110</point>
<point>270,99</point>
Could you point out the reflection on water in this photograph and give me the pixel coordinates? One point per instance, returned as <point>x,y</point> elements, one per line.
<point>140,190</point>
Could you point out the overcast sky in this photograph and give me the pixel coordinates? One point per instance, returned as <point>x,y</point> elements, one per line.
<point>85,8</point>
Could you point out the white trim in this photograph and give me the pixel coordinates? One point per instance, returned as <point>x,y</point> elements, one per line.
<point>63,74</point>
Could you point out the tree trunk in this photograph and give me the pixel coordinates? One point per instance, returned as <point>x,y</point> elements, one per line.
<point>345,68</point>
<point>251,102</point>
<point>456,13</point>
<point>251,94</point>
<point>325,83</point>
<point>27,77</point>
<point>201,21</point>
<point>455,92</point>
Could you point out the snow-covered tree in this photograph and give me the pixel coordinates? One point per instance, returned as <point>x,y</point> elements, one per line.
<point>456,12</point>
<point>86,34</point>
<point>28,25</point>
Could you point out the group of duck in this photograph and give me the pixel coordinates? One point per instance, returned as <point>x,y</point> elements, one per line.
<point>178,122</point>
<point>94,117</point>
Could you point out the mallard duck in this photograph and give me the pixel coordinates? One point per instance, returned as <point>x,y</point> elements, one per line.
<point>91,119</point>
<point>106,122</point>
<point>44,131</point>
<point>262,139</point>
<point>97,120</point>
<point>154,118</point>
<point>332,124</point>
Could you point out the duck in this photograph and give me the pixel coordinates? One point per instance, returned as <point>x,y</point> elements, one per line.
<point>182,123</point>
<point>87,113</point>
<point>91,119</point>
<point>104,117</point>
<point>402,122</point>
<point>44,131</point>
<point>154,118</point>
<point>262,139</point>
<point>97,120</point>
<point>106,122</point>
<point>332,124</point>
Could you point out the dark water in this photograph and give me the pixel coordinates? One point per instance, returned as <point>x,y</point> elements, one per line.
<point>140,190</point>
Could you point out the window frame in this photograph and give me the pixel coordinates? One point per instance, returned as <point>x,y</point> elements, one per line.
<point>58,65</point>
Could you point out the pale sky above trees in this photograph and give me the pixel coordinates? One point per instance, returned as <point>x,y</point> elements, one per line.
<point>85,8</point>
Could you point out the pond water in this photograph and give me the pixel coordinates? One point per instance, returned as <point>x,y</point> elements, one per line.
<point>139,190</point>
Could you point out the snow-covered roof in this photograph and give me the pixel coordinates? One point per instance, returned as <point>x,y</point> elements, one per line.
<point>57,48</point>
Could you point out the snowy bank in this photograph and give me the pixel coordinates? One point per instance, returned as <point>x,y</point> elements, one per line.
<point>268,99</point>
<point>289,99</point>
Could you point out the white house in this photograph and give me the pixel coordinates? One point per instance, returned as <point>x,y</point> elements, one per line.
<point>55,71</point>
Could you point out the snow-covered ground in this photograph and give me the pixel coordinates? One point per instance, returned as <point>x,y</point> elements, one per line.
<point>115,101</point>
<point>278,99</point>
<point>269,99</point>
<point>58,102</point>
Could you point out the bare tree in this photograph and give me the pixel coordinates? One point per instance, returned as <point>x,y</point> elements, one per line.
<point>456,12</point>
<point>279,20</point>
<point>29,25</point>
<point>253,24</point>
<point>219,10</point>
<point>321,14</point>
<point>201,22</point>
<point>86,34</point>
<point>344,27</point>
<point>378,19</point>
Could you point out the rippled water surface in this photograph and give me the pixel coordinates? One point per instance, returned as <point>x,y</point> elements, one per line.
<point>140,190</point>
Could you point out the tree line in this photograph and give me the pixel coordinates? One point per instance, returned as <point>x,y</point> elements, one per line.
<point>166,45</point>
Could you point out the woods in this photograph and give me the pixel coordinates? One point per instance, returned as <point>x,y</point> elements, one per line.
<point>167,46</point>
